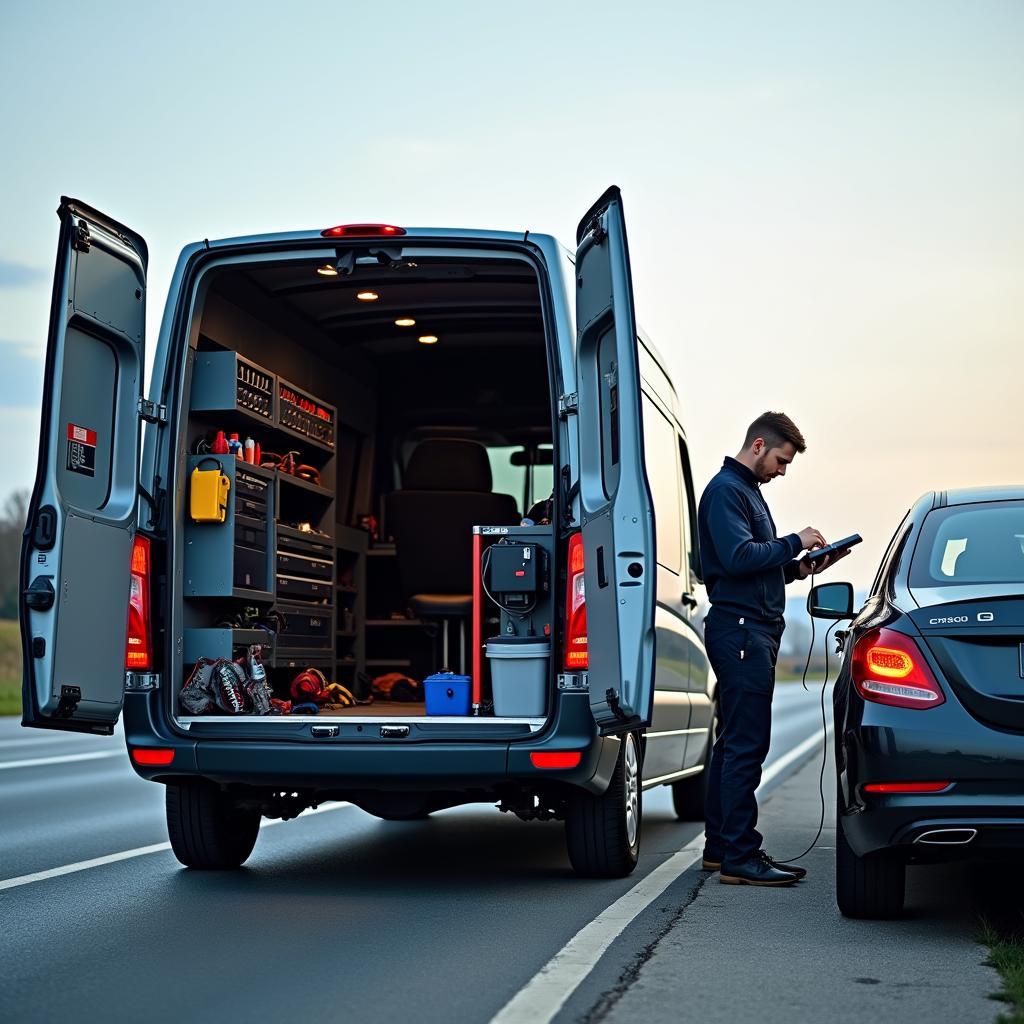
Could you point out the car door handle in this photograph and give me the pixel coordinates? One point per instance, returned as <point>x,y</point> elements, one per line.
<point>689,600</point>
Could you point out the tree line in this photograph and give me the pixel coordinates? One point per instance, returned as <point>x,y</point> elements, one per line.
<point>12,525</point>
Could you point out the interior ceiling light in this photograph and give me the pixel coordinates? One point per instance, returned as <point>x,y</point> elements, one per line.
<point>405,321</point>
<point>367,296</point>
<point>327,270</point>
<point>428,339</point>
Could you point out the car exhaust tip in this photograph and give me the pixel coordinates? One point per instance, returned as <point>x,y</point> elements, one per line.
<point>947,837</point>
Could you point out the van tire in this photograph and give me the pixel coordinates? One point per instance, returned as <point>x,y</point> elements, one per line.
<point>598,827</point>
<point>871,886</point>
<point>207,828</point>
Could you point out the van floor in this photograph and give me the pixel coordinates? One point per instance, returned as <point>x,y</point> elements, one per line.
<point>389,708</point>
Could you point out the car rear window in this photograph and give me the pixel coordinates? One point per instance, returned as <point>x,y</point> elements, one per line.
<point>982,543</point>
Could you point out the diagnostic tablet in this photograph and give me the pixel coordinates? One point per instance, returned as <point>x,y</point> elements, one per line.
<point>831,549</point>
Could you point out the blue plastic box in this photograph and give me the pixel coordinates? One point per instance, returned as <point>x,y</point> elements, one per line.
<point>447,694</point>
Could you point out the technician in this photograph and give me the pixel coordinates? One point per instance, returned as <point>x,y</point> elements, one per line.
<point>746,568</point>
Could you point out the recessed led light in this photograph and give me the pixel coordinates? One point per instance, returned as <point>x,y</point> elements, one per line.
<point>367,296</point>
<point>428,339</point>
<point>327,270</point>
<point>405,321</point>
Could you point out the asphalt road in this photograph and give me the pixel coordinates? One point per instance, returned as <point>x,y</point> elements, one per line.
<point>335,915</point>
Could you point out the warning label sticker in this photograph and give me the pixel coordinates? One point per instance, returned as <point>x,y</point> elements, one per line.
<point>81,450</point>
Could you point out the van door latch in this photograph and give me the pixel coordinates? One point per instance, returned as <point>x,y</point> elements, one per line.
<point>324,731</point>
<point>151,412</point>
<point>568,404</point>
<point>394,732</point>
<point>142,681</point>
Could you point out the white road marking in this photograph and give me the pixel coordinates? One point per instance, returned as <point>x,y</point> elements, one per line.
<point>545,994</point>
<point>778,766</point>
<point>140,851</point>
<point>33,762</point>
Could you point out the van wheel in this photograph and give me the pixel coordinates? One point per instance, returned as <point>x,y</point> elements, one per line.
<point>207,828</point>
<point>689,796</point>
<point>871,886</point>
<point>602,832</point>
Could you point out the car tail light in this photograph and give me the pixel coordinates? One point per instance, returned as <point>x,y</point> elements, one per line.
<point>362,231</point>
<point>576,656</point>
<point>152,757</point>
<point>139,653</point>
<point>556,759</point>
<point>889,668</point>
<point>906,787</point>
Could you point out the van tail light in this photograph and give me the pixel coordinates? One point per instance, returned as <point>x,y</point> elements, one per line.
<point>139,653</point>
<point>362,231</point>
<point>556,758</point>
<point>153,757</point>
<point>906,787</point>
<point>889,668</point>
<point>575,609</point>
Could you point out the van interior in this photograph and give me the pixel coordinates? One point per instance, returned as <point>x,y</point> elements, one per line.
<point>350,420</point>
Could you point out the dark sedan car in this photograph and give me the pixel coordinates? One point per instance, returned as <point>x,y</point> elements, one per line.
<point>929,703</point>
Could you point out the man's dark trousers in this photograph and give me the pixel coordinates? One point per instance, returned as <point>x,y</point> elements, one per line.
<point>743,653</point>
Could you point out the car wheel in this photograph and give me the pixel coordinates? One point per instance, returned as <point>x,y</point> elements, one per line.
<point>871,886</point>
<point>689,795</point>
<point>207,828</point>
<point>603,832</point>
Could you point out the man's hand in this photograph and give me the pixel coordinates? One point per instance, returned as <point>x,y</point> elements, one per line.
<point>829,560</point>
<point>810,538</point>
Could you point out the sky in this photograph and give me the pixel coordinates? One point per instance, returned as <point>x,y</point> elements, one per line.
<point>823,199</point>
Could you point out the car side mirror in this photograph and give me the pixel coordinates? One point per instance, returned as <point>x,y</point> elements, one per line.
<point>831,601</point>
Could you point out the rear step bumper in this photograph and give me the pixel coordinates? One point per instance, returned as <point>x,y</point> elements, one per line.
<point>375,763</point>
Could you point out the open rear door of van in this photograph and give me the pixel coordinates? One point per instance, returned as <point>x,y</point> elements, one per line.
<point>617,519</point>
<point>77,549</point>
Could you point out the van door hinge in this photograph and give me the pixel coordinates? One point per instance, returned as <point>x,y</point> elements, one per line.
<point>151,412</point>
<point>142,680</point>
<point>82,240</point>
<point>568,404</point>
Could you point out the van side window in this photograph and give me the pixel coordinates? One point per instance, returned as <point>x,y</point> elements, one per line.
<point>662,458</point>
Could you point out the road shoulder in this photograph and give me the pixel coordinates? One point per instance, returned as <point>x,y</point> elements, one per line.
<point>770,955</point>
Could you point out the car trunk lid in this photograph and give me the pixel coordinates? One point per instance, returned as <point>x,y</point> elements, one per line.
<point>979,645</point>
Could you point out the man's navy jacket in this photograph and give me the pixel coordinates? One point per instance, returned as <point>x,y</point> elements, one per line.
<point>746,566</point>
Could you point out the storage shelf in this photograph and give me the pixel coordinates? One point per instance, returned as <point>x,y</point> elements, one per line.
<point>385,623</point>
<point>388,662</point>
<point>242,594</point>
<point>303,439</point>
<point>296,481</point>
<point>283,529</point>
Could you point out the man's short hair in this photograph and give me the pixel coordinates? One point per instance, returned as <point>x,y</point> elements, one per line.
<point>776,428</point>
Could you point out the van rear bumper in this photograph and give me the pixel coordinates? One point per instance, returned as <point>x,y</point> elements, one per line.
<point>378,764</point>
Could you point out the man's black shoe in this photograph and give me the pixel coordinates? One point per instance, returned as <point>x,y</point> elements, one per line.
<point>713,862</point>
<point>755,870</point>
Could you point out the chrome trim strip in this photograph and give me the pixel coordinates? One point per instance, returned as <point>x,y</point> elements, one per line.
<point>674,732</point>
<point>695,770</point>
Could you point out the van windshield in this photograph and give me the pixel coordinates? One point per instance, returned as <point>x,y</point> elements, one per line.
<point>525,473</point>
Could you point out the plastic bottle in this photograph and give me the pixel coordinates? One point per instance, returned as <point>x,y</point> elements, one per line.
<point>257,672</point>
<point>220,444</point>
<point>235,446</point>
<point>249,454</point>
<point>258,455</point>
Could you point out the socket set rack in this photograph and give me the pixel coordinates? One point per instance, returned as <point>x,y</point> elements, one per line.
<point>226,382</point>
<point>304,414</point>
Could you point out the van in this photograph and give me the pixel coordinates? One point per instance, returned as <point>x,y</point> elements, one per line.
<point>383,532</point>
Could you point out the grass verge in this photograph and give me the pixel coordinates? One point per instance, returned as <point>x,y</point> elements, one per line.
<point>1006,955</point>
<point>10,668</point>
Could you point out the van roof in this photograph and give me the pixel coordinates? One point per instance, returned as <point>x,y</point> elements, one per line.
<point>315,235</point>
